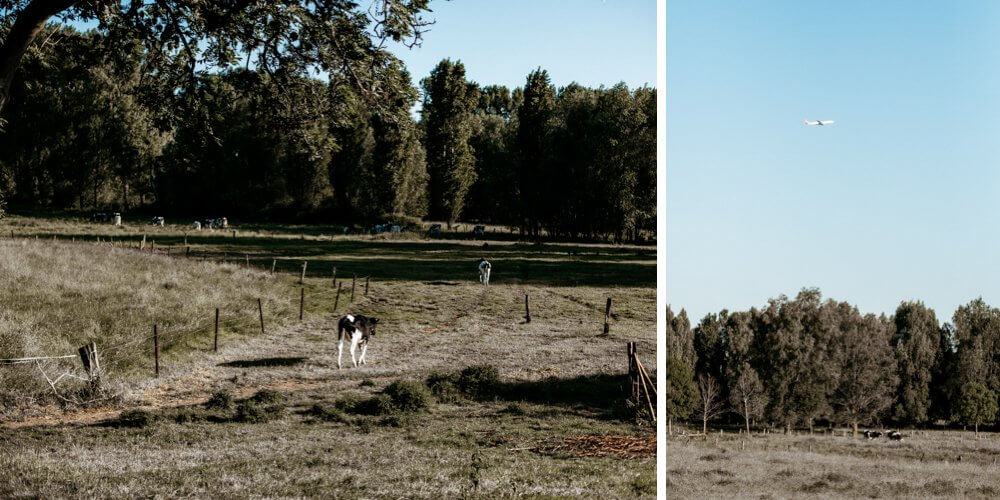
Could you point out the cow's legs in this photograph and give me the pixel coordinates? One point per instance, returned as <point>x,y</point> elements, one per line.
<point>364,349</point>
<point>340,351</point>
<point>354,346</point>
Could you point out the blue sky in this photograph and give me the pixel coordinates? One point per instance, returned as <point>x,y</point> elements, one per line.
<point>898,200</point>
<point>591,42</point>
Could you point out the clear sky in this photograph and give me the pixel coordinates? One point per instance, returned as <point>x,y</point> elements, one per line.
<point>898,200</point>
<point>591,42</point>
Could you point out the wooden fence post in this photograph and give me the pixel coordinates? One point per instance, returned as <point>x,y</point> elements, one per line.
<point>156,350</point>
<point>234,233</point>
<point>247,257</point>
<point>527,310</point>
<point>274,262</point>
<point>354,280</point>
<point>607,316</point>
<point>88,355</point>
<point>336,301</point>
<point>366,285</point>
<point>302,302</point>
<point>633,373</point>
<point>215,346</point>
<point>334,275</point>
<point>302,278</point>
<point>142,245</point>
<point>185,240</point>
<point>187,251</point>
<point>260,310</point>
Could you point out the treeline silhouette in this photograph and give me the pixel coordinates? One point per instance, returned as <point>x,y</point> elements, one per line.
<point>806,362</point>
<point>88,129</point>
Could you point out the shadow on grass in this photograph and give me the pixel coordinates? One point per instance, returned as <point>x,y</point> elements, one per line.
<point>603,393</point>
<point>254,363</point>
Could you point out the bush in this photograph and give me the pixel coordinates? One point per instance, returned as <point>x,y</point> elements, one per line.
<point>380,404</point>
<point>135,418</point>
<point>267,397</point>
<point>479,381</point>
<point>221,400</point>
<point>327,413</point>
<point>408,395</point>
<point>348,403</point>
<point>444,387</point>
<point>251,412</point>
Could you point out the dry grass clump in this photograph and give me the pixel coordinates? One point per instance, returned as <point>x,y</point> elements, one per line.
<point>60,296</point>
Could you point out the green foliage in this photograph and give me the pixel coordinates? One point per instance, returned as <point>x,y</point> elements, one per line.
<point>682,393</point>
<point>253,412</point>
<point>327,414</point>
<point>479,381</point>
<point>408,395</point>
<point>220,400</point>
<point>444,386</point>
<point>977,405</point>
<point>917,350</point>
<point>448,102</point>
<point>135,418</point>
<point>267,397</point>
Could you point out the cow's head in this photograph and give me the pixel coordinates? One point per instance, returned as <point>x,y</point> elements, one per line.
<point>372,322</point>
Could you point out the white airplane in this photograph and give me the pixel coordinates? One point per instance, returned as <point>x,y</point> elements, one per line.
<point>817,122</point>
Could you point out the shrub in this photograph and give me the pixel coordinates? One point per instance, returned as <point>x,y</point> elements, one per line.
<point>444,386</point>
<point>380,404</point>
<point>267,396</point>
<point>327,413</point>
<point>348,402</point>
<point>408,395</point>
<point>221,400</point>
<point>479,381</point>
<point>135,418</point>
<point>251,412</point>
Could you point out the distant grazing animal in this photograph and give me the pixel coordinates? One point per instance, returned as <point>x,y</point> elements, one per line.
<point>873,434</point>
<point>484,271</point>
<point>360,329</point>
<point>895,436</point>
<point>479,231</point>
<point>157,221</point>
<point>196,226</point>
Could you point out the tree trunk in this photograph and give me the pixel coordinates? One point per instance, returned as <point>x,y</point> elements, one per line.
<point>28,24</point>
<point>746,414</point>
<point>855,427</point>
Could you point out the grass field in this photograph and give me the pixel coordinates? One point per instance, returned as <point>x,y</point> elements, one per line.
<point>552,422</point>
<point>926,464</point>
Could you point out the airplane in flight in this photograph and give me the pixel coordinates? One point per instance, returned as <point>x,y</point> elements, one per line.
<point>817,122</point>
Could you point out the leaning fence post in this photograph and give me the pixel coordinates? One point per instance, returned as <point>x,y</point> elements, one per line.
<point>607,315</point>
<point>274,262</point>
<point>156,350</point>
<point>260,310</point>
<point>527,310</point>
<point>215,345</point>
<point>366,285</point>
<point>88,355</point>
<point>302,278</point>
<point>354,280</point>
<point>336,301</point>
<point>302,302</point>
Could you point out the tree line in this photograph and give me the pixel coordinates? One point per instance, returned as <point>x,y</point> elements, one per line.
<point>806,362</point>
<point>89,126</point>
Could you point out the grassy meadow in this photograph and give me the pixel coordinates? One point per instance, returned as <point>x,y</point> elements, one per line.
<point>548,420</point>
<point>925,464</point>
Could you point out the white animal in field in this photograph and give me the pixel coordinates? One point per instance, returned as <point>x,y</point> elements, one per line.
<point>196,226</point>
<point>484,271</point>
<point>817,122</point>
<point>360,329</point>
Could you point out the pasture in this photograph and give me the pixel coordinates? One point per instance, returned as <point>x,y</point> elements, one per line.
<point>549,420</point>
<point>926,464</point>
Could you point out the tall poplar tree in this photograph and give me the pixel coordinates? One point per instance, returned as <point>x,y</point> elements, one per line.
<point>448,103</point>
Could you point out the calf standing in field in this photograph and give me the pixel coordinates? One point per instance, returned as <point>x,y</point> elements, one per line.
<point>360,329</point>
<point>484,271</point>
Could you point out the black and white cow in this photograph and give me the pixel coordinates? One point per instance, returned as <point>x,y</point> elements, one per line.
<point>895,436</point>
<point>360,329</point>
<point>873,434</point>
<point>484,271</point>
